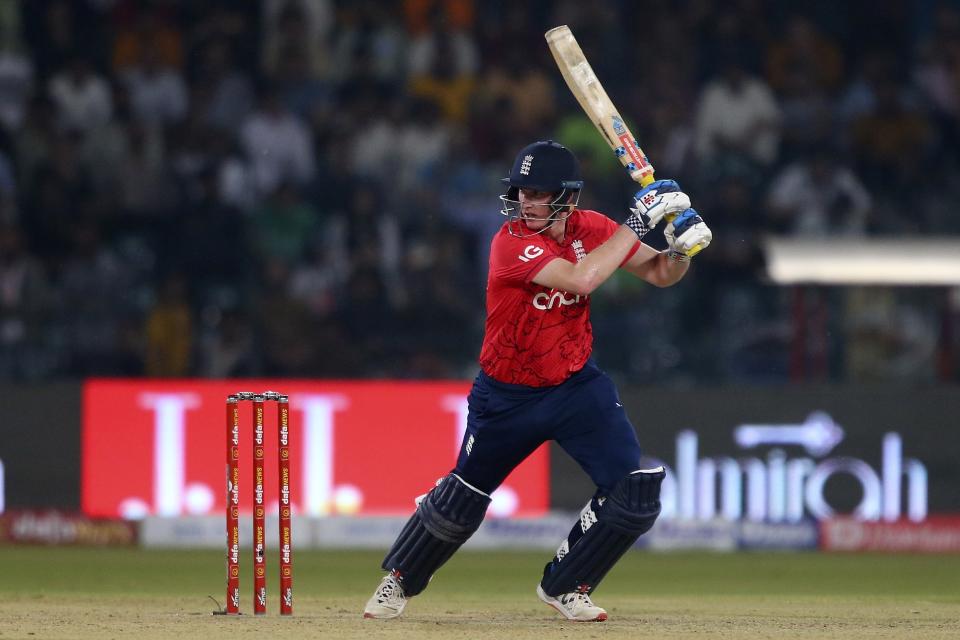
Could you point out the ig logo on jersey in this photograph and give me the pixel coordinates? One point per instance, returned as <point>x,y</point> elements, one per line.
<point>530,252</point>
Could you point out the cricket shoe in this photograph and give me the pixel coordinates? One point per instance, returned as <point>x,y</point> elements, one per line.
<point>574,606</point>
<point>387,601</point>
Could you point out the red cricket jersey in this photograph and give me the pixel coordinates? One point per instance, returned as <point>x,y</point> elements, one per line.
<point>537,336</point>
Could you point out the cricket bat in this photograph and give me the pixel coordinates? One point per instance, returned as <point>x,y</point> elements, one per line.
<point>596,104</point>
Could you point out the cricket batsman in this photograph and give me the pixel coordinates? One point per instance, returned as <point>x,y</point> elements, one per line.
<point>538,381</point>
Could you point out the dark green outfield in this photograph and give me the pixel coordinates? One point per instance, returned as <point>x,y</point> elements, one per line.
<point>38,570</point>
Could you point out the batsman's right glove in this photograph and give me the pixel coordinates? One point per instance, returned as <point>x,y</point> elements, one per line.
<point>687,235</point>
<point>660,199</point>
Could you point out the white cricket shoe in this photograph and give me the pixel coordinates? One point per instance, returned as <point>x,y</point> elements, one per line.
<point>387,601</point>
<point>574,606</point>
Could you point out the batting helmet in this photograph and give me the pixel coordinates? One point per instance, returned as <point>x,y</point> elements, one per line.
<point>545,166</point>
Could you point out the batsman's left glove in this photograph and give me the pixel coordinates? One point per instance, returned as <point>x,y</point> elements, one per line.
<point>660,199</point>
<point>687,235</point>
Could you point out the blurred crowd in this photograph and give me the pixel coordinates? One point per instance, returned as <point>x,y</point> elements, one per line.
<point>308,187</point>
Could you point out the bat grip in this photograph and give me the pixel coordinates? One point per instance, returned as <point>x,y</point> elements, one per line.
<point>646,179</point>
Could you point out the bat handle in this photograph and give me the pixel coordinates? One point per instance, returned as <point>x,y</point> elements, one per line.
<point>646,179</point>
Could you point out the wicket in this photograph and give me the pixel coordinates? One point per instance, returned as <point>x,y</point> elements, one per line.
<point>259,509</point>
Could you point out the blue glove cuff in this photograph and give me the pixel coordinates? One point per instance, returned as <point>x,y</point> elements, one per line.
<point>660,186</point>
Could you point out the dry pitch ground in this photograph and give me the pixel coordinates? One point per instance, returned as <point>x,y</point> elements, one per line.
<point>84,593</point>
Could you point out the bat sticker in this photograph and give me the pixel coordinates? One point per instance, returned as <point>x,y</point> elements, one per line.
<point>618,125</point>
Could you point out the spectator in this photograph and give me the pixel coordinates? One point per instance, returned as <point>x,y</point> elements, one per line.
<point>145,187</point>
<point>158,94</point>
<point>446,76</point>
<point>105,148</point>
<point>374,150</point>
<point>817,196</point>
<point>805,69</point>
<point>278,145</point>
<point>82,97</point>
<point>426,48</point>
<point>303,24</point>
<point>222,88</point>
<point>737,117</point>
<point>304,95</point>
<point>524,88</point>
<point>891,140</point>
<point>859,97</point>
<point>283,227</point>
<point>368,43</point>
<point>424,143</point>
<point>806,52</point>
<point>191,148</point>
<point>148,28</point>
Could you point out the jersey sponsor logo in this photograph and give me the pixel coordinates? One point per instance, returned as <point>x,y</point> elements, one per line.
<point>531,252</point>
<point>545,301</point>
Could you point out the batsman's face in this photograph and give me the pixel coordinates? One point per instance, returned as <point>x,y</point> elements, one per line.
<point>534,207</point>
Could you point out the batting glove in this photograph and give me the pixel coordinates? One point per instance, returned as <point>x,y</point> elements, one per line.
<point>660,199</point>
<point>687,235</point>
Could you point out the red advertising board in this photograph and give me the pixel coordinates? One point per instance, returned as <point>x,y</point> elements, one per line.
<point>937,534</point>
<point>356,447</point>
<point>54,527</point>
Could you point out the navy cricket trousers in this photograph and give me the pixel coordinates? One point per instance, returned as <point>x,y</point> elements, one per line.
<point>507,422</point>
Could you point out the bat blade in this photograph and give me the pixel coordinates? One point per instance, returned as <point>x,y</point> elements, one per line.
<point>589,92</point>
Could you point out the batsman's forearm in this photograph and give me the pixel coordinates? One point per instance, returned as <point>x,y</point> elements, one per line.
<point>666,270</point>
<point>600,263</point>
